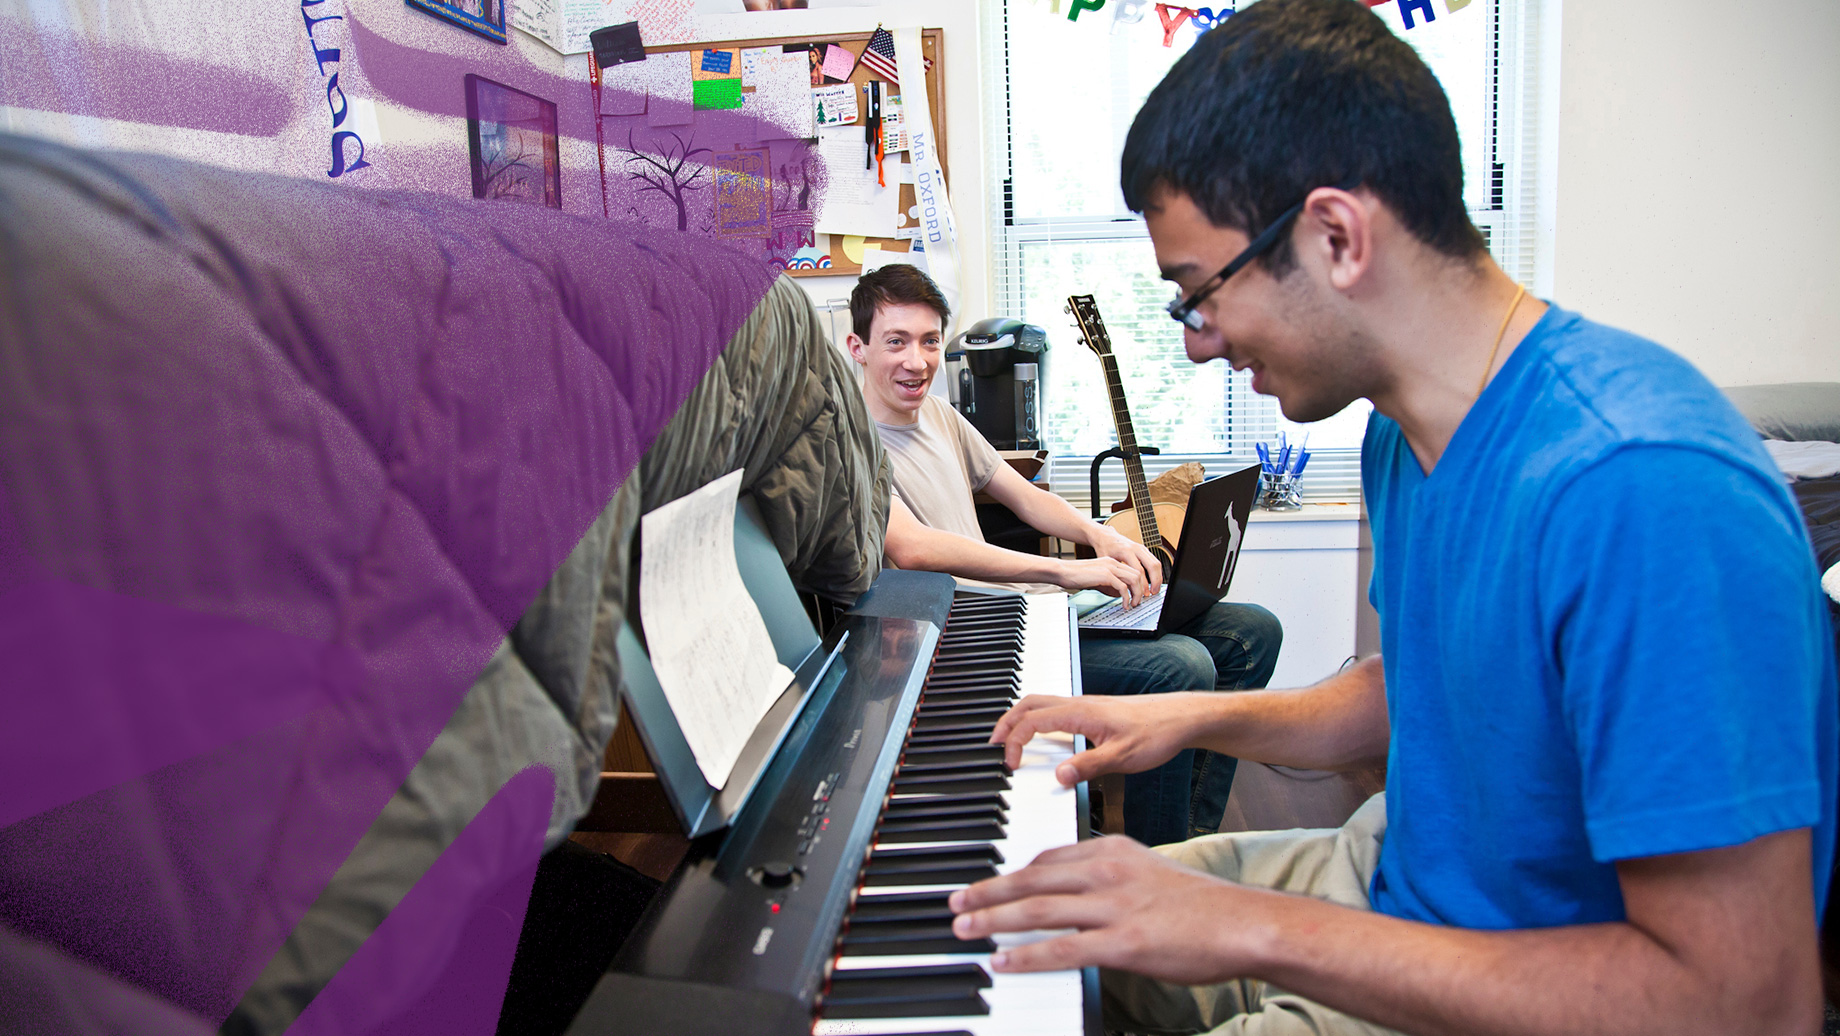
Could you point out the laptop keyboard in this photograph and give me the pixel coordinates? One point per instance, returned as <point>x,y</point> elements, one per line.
<point>1116,616</point>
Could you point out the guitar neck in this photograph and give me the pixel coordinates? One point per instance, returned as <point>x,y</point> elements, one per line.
<point>1133,462</point>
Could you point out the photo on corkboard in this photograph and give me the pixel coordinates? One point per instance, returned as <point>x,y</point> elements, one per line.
<point>511,137</point>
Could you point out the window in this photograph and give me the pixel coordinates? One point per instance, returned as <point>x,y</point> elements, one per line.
<point>1065,95</point>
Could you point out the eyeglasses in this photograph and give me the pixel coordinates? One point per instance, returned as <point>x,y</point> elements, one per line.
<point>1185,311</point>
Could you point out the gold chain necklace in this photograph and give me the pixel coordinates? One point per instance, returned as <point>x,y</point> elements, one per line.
<point>1519,293</point>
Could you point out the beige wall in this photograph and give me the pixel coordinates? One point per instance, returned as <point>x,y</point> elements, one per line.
<point>1698,156</point>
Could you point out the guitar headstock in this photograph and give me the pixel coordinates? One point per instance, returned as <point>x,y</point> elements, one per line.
<point>1092,329</point>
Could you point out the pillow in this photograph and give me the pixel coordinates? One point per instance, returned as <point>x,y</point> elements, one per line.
<point>1796,412</point>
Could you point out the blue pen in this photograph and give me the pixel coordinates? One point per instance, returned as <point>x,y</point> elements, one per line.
<point>1303,457</point>
<point>1284,457</point>
<point>1264,457</point>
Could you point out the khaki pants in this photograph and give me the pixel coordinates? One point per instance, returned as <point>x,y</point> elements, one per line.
<point>1336,865</point>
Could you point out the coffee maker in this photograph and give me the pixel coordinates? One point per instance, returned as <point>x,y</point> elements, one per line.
<point>993,377</point>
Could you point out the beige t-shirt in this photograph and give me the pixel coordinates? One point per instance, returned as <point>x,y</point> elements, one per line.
<point>938,463</point>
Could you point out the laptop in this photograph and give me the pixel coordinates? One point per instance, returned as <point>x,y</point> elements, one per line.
<point>1206,556</point>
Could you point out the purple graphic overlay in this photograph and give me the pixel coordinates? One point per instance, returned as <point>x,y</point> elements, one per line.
<point>404,983</point>
<point>51,69</point>
<point>281,462</point>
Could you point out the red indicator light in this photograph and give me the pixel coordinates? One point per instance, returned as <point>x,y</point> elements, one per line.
<point>774,907</point>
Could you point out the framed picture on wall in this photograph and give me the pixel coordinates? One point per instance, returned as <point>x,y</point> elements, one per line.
<point>511,136</point>
<point>485,17</point>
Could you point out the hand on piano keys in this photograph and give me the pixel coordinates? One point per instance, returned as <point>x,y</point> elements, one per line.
<point>1125,735</point>
<point>902,970</point>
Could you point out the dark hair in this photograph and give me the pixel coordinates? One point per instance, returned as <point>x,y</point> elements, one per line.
<point>897,284</point>
<point>1291,95</point>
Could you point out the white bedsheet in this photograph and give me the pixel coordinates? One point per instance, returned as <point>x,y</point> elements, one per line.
<point>1805,459</point>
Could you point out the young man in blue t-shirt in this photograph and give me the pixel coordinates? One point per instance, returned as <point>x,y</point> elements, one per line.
<point>1606,696</point>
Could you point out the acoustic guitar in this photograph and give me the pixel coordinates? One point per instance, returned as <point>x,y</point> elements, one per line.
<point>1156,526</point>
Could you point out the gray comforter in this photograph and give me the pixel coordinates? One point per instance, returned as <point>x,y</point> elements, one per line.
<point>314,508</point>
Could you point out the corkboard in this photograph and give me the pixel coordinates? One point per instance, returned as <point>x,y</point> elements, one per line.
<point>932,46</point>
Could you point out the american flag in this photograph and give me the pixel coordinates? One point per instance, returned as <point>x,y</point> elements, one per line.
<point>879,55</point>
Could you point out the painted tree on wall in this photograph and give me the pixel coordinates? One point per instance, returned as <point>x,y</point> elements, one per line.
<point>671,173</point>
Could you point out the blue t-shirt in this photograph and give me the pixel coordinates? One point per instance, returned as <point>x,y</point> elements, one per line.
<point>1604,638</point>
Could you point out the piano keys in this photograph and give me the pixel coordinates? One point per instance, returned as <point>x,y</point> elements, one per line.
<point>822,908</point>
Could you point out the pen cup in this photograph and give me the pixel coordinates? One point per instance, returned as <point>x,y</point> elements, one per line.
<point>1278,492</point>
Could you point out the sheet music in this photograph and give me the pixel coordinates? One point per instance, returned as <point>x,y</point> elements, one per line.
<point>708,643</point>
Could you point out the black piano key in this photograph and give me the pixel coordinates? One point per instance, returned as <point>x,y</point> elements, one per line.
<point>963,976</point>
<point>957,725</point>
<point>984,625</point>
<point>1006,683</point>
<point>950,830</point>
<point>902,906</point>
<point>938,712</point>
<point>959,874</point>
<point>931,865</point>
<point>976,667</point>
<point>975,656</point>
<point>953,753</point>
<point>989,853</point>
<point>899,1002</point>
<point>963,814</point>
<point>948,783</point>
<point>932,804</point>
<point>974,604</point>
<point>913,767</point>
<point>969,696</point>
<point>952,738</point>
<point>953,639</point>
<point>898,943</point>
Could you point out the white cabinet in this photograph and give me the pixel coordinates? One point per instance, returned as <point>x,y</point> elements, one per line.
<point>1310,567</point>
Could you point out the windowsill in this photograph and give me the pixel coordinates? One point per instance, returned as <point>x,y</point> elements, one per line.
<point>1313,512</point>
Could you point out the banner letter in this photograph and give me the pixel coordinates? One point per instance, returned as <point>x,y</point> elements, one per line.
<point>1406,7</point>
<point>338,109</point>
<point>339,168</point>
<point>1456,5</point>
<point>1170,25</point>
<point>1128,12</point>
<point>1074,8</point>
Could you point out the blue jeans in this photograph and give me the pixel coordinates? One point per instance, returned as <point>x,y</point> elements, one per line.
<point>1229,647</point>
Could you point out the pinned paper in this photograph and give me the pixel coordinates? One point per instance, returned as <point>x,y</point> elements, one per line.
<point>782,96</point>
<point>875,258</point>
<point>624,88</point>
<point>894,126</point>
<point>716,94</point>
<point>617,44</point>
<point>662,22</point>
<point>839,62</point>
<point>853,202</point>
<point>744,208</point>
<point>672,98</point>
<point>719,61</point>
<point>750,65</point>
<point>809,259</point>
<point>835,105</point>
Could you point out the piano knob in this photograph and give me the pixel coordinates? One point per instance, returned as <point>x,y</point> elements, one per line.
<point>777,875</point>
